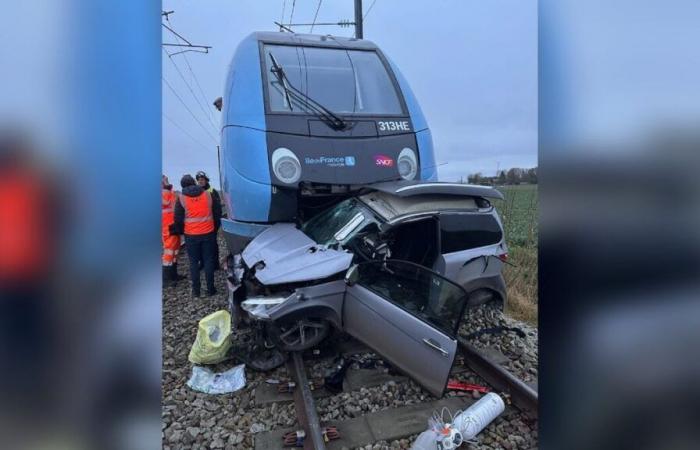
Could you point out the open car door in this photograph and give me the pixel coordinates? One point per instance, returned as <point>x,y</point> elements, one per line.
<point>409,315</point>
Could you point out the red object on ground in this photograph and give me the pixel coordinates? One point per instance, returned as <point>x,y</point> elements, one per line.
<point>457,385</point>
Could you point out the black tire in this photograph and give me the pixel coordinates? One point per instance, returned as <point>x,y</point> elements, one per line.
<point>480,297</point>
<point>257,357</point>
<point>267,359</point>
<point>298,334</point>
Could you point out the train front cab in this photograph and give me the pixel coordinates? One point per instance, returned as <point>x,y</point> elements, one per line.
<point>282,159</point>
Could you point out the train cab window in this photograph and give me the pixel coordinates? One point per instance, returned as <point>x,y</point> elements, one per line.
<point>464,231</point>
<point>344,81</point>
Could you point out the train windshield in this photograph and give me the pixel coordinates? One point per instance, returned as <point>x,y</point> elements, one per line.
<point>344,81</point>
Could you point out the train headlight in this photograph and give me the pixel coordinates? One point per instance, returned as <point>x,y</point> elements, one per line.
<point>286,165</point>
<point>408,164</point>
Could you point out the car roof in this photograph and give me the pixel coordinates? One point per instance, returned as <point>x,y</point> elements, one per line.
<point>389,206</point>
<point>405,188</point>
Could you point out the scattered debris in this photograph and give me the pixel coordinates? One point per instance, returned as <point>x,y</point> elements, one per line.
<point>257,357</point>
<point>204,380</point>
<point>228,418</point>
<point>291,385</point>
<point>457,385</point>
<point>296,438</point>
<point>472,420</point>
<point>440,435</point>
<point>334,380</point>
<point>257,428</point>
<point>462,427</point>
<point>212,343</point>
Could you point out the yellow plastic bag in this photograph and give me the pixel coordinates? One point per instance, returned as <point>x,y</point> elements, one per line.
<point>213,339</point>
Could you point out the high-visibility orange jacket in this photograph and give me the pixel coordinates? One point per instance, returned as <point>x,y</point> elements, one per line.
<point>168,209</point>
<point>195,211</point>
<point>199,217</point>
<point>25,242</point>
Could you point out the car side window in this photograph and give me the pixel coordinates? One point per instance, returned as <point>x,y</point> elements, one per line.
<point>417,290</point>
<point>464,231</point>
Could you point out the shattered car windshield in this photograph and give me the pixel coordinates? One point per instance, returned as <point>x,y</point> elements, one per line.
<point>338,224</point>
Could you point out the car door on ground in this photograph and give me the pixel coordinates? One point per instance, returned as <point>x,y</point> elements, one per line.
<point>409,315</point>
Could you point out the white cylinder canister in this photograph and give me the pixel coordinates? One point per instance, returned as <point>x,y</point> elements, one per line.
<point>468,423</point>
<point>472,420</point>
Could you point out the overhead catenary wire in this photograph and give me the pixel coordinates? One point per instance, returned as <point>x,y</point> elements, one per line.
<point>186,132</point>
<point>291,16</point>
<point>196,81</point>
<point>188,44</point>
<point>204,110</point>
<point>316,15</point>
<point>369,9</point>
<point>199,86</point>
<point>204,97</point>
<point>284,6</point>
<point>189,110</point>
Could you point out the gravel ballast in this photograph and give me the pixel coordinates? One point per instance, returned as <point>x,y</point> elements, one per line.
<point>200,421</point>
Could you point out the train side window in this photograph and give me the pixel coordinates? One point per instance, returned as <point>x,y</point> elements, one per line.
<point>465,231</point>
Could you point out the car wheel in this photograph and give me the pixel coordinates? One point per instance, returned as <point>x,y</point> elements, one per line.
<point>480,297</point>
<point>298,335</point>
<point>267,359</point>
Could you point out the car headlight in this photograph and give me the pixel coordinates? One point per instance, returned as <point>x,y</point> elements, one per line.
<point>408,164</point>
<point>259,307</point>
<point>286,165</point>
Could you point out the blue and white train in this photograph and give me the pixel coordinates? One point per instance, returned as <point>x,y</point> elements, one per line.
<point>308,119</point>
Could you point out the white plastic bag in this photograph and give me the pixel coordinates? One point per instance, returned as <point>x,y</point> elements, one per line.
<point>427,440</point>
<point>204,380</point>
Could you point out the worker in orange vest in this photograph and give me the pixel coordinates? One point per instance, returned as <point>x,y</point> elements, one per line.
<point>198,217</point>
<point>26,239</point>
<point>171,242</point>
<point>203,182</point>
<point>32,205</point>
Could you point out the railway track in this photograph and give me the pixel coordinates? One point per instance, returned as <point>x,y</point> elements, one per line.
<point>501,381</point>
<point>522,396</point>
<point>305,406</point>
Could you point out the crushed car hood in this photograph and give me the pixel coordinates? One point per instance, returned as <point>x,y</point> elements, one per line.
<point>290,256</point>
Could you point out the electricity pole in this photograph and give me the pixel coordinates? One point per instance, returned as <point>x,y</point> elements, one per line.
<point>358,19</point>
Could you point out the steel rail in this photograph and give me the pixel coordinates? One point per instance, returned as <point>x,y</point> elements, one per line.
<point>522,395</point>
<point>305,407</point>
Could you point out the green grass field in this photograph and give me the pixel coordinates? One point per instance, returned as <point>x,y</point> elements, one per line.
<point>519,213</point>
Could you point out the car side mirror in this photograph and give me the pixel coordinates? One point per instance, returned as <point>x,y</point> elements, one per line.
<point>352,275</point>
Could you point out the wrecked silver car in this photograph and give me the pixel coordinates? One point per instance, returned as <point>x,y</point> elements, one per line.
<point>394,266</point>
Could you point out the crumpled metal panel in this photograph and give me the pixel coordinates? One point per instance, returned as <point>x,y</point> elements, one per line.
<point>290,256</point>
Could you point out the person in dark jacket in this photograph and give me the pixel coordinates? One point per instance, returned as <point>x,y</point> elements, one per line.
<point>203,182</point>
<point>198,216</point>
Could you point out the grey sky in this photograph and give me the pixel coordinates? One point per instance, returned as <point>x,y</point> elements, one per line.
<point>472,66</point>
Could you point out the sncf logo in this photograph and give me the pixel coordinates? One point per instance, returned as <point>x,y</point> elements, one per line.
<point>383,161</point>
